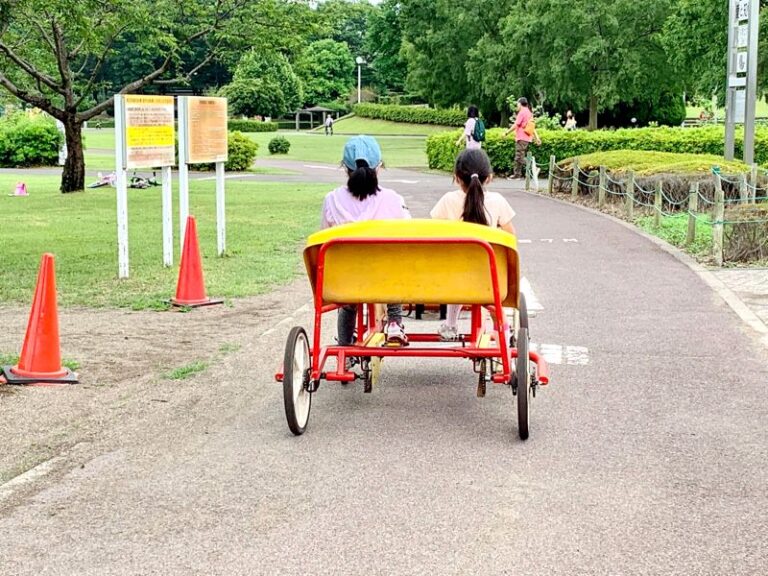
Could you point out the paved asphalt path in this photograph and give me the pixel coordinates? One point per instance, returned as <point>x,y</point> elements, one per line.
<point>647,452</point>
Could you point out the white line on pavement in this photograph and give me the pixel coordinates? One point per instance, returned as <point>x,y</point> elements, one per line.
<point>402,181</point>
<point>321,167</point>
<point>530,297</point>
<point>558,354</point>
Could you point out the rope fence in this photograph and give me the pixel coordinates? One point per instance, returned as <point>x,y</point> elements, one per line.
<point>742,198</point>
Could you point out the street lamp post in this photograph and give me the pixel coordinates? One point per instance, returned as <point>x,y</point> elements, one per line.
<point>360,61</point>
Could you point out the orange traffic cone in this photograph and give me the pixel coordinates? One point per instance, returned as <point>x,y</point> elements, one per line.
<point>40,359</point>
<point>190,289</point>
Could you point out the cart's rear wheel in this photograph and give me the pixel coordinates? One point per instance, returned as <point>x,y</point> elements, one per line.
<point>296,371</point>
<point>521,320</point>
<point>522,379</point>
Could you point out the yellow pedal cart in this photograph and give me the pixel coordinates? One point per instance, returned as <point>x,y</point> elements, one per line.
<point>402,261</point>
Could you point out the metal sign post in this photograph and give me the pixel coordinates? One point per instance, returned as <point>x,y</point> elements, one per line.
<point>202,140</point>
<point>144,138</point>
<point>183,169</point>
<point>741,95</point>
<point>121,187</point>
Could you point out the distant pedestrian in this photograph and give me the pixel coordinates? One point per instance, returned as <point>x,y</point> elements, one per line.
<point>570,121</point>
<point>474,130</point>
<point>329,125</point>
<point>525,131</point>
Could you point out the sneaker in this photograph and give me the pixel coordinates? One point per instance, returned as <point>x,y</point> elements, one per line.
<point>396,335</point>
<point>448,333</point>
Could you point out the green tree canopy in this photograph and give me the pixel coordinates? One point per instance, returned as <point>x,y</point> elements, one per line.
<point>264,83</point>
<point>54,53</point>
<point>327,70</point>
<point>383,46</point>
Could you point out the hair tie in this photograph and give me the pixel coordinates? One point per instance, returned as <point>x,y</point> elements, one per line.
<point>473,176</point>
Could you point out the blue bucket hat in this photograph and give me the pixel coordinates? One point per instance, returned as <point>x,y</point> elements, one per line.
<point>361,148</point>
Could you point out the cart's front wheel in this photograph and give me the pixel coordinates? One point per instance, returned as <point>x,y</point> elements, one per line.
<point>523,382</point>
<point>296,370</point>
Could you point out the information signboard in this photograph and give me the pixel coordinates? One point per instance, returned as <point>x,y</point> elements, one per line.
<point>148,131</point>
<point>207,127</point>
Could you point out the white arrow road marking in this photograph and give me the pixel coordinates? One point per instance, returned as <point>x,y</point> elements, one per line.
<point>558,354</point>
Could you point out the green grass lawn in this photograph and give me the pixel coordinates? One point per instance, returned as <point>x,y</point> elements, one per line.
<point>357,125</point>
<point>761,110</point>
<point>674,229</point>
<point>398,152</point>
<point>266,223</point>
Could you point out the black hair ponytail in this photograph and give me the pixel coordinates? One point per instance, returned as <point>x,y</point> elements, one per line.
<point>472,169</point>
<point>363,181</point>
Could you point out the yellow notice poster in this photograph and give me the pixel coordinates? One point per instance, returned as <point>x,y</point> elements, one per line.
<point>149,131</point>
<point>207,127</point>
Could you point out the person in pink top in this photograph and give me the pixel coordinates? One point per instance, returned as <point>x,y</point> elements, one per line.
<point>522,138</point>
<point>363,199</point>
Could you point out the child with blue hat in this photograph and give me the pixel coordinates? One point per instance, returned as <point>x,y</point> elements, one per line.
<point>363,199</point>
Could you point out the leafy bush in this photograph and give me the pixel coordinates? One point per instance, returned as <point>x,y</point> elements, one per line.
<point>279,145</point>
<point>251,126</point>
<point>241,152</point>
<point>26,141</point>
<point>411,114</point>
<point>442,151</point>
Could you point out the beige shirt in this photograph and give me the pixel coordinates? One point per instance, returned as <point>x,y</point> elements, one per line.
<point>451,207</point>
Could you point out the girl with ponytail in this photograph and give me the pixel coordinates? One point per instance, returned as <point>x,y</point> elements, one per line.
<point>472,203</point>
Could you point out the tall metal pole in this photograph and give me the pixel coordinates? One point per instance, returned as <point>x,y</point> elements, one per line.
<point>730,136</point>
<point>359,85</point>
<point>749,117</point>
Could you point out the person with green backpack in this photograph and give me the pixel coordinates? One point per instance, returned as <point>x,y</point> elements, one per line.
<point>474,130</point>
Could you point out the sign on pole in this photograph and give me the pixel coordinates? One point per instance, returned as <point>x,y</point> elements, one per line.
<point>144,138</point>
<point>741,95</point>
<point>203,140</point>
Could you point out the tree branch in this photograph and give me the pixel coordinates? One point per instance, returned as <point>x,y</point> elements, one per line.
<point>127,89</point>
<point>63,63</point>
<point>29,69</point>
<point>37,100</point>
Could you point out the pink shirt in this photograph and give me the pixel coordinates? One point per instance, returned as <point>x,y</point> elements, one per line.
<point>340,207</point>
<point>523,117</point>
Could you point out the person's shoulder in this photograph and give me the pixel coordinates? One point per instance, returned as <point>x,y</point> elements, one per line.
<point>495,197</point>
<point>337,191</point>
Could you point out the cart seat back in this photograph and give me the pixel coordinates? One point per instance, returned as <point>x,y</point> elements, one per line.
<point>408,261</point>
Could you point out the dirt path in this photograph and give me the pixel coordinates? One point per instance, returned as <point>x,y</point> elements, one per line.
<point>125,358</point>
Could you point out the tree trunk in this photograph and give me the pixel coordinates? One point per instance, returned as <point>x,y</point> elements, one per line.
<point>593,112</point>
<point>73,176</point>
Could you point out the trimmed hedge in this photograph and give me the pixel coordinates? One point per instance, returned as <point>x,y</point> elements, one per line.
<point>279,145</point>
<point>442,149</point>
<point>26,141</point>
<point>411,114</point>
<point>251,126</point>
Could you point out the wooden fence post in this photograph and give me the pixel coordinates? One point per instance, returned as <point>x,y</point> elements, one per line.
<point>753,179</point>
<point>630,196</point>
<point>551,182</point>
<point>743,189</point>
<point>602,188</point>
<point>657,204</point>
<point>575,182</point>
<point>717,225</point>
<point>693,206</point>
